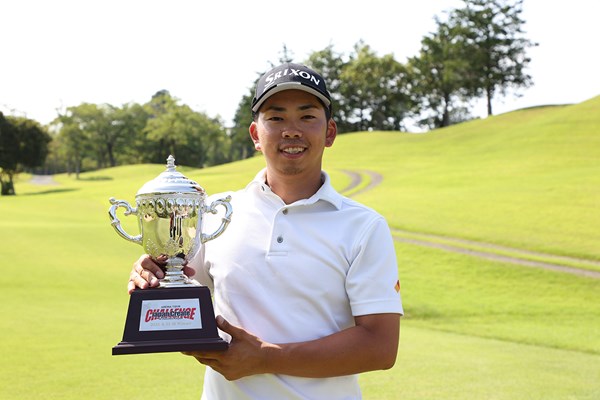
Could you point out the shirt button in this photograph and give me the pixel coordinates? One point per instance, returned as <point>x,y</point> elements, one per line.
<point>280,239</point>
<point>285,211</point>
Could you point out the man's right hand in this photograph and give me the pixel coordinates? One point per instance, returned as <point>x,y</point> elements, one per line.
<point>146,273</point>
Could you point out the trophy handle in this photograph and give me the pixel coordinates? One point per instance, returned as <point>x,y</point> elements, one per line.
<point>116,223</point>
<point>225,220</point>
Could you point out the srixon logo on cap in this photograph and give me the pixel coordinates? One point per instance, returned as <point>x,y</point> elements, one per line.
<point>272,78</point>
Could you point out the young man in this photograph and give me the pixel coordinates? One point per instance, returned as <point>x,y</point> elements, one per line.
<point>304,280</point>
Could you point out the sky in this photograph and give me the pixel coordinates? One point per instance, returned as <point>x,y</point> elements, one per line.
<point>61,53</point>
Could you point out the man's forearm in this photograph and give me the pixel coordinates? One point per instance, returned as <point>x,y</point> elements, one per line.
<point>370,345</point>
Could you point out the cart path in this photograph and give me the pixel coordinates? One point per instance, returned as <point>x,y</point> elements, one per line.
<point>375,179</point>
<point>461,245</point>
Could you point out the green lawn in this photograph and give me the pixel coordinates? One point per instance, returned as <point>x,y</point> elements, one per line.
<point>528,179</point>
<point>474,329</point>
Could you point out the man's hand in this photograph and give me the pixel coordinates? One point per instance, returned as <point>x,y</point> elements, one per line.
<point>147,271</point>
<point>246,355</point>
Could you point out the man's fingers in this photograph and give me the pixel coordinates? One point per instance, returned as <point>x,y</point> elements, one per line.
<point>145,273</point>
<point>136,280</point>
<point>189,271</point>
<point>130,286</point>
<point>148,276</point>
<point>224,325</point>
<point>146,263</point>
<point>205,357</point>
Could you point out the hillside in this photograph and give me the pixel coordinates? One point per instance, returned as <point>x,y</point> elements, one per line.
<point>528,179</point>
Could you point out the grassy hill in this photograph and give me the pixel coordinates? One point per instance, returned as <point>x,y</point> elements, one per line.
<point>528,179</point>
<point>473,328</point>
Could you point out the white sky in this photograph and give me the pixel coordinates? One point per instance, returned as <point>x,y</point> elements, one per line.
<point>60,53</point>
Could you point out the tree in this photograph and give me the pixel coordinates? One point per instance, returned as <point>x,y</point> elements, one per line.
<point>241,146</point>
<point>163,126</point>
<point>103,135</point>
<point>375,91</point>
<point>330,65</point>
<point>437,75</point>
<point>128,123</point>
<point>77,131</point>
<point>96,123</point>
<point>23,144</point>
<point>192,137</point>
<point>492,33</point>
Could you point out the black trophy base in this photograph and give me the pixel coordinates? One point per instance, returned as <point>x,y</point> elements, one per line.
<point>170,320</point>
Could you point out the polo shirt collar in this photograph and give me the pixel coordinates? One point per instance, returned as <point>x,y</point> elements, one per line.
<point>325,193</point>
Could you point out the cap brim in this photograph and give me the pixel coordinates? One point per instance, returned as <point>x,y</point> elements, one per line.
<point>289,86</point>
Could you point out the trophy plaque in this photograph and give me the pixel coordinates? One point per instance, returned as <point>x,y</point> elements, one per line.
<point>178,315</point>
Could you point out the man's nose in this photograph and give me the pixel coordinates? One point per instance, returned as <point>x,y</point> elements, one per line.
<point>291,131</point>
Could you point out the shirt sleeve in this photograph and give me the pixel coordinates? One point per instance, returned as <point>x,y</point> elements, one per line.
<point>372,281</point>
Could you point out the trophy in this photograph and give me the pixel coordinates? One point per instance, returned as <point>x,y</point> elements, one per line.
<point>178,315</point>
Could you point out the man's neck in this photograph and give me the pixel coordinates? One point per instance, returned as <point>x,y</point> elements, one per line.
<point>291,188</point>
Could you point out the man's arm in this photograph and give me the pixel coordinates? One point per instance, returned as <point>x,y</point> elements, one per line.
<point>371,344</point>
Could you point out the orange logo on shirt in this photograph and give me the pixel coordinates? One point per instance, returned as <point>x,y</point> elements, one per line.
<point>397,286</point>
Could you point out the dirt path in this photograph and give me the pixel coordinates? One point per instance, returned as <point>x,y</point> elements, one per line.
<point>459,245</point>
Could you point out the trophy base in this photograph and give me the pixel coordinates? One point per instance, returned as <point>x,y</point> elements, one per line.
<point>170,320</point>
<point>168,346</point>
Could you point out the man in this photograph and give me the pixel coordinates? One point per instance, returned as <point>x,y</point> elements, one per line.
<point>304,280</point>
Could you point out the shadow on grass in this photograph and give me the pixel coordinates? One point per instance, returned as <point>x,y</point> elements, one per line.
<point>49,192</point>
<point>96,178</point>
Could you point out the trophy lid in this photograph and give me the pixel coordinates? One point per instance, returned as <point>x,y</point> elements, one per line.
<point>170,181</point>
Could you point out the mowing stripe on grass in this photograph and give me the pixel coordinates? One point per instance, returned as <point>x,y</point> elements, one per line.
<point>499,257</point>
<point>470,247</point>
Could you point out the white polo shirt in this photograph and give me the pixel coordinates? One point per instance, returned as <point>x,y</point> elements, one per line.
<point>292,273</point>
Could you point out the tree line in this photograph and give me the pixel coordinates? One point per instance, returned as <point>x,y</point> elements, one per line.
<point>476,51</point>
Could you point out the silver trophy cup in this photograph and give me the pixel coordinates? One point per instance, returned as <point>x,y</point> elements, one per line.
<point>169,210</point>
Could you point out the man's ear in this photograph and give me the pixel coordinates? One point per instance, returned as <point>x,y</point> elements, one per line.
<point>253,129</point>
<point>331,133</point>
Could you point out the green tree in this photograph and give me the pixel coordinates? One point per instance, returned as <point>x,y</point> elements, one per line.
<point>375,91</point>
<point>96,122</point>
<point>78,132</point>
<point>75,143</point>
<point>437,74</point>
<point>492,33</point>
<point>241,146</point>
<point>330,65</point>
<point>23,145</point>
<point>128,123</point>
<point>99,135</point>
<point>192,137</point>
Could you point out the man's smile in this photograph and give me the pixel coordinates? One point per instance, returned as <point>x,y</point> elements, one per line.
<point>293,150</point>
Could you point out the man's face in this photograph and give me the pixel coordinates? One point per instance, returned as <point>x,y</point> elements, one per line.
<point>291,130</point>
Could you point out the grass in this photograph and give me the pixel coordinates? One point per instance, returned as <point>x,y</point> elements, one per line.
<point>442,365</point>
<point>528,179</point>
<point>493,249</point>
<point>473,328</point>
<point>467,295</point>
